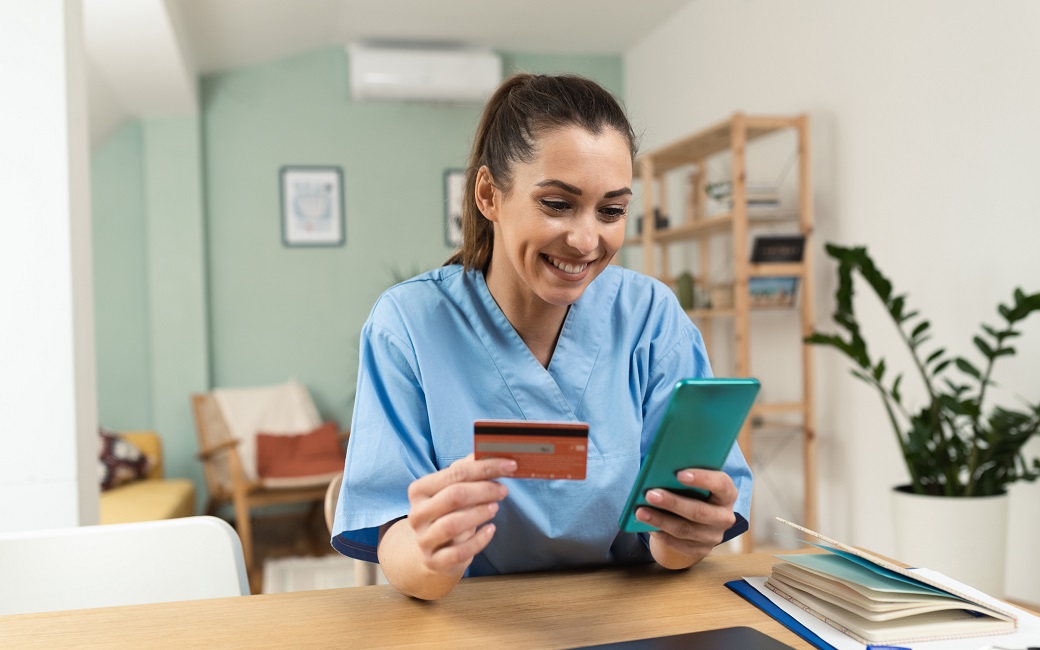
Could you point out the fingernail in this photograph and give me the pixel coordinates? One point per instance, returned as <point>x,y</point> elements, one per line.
<point>642,514</point>
<point>655,496</point>
<point>508,466</point>
<point>686,476</point>
<point>493,507</point>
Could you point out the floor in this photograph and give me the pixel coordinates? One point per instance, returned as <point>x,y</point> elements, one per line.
<point>293,534</point>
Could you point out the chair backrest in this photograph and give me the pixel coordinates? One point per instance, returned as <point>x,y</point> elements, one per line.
<point>213,432</point>
<point>241,413</point>
<point>189,558</point>
<point>331,499</point>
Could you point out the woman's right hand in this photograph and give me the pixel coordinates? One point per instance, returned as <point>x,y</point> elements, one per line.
<point>449,509</point>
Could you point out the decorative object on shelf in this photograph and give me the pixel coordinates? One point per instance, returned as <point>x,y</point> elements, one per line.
<point>721,295</point>
<point>660,222</point>
<point>778,248</point>
<point>312,206</point>
<point>684,289</point>
<point>760,197</point>
<point>772,292</point>
<point>454,188</point>
<point>952,447</point>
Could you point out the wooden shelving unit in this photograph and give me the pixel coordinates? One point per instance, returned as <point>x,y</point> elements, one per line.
<point>732,136</point>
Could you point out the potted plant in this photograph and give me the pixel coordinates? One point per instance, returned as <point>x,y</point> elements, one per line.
<point>959,455</point>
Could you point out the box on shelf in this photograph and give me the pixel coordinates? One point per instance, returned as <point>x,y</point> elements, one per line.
<point>778,248</point>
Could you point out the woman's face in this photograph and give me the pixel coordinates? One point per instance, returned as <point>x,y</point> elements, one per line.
<point>563,219</point>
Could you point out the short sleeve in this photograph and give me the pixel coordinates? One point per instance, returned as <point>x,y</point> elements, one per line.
<point>390,442</point>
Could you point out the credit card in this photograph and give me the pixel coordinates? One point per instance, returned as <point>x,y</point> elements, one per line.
<point>554,450</point>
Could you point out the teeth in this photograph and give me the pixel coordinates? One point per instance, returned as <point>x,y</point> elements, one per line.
<point>567,268</point>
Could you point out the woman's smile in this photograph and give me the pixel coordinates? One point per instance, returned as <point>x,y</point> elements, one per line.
<point>574,271</point>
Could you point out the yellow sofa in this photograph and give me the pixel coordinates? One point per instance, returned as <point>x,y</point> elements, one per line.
<point>152,498</point>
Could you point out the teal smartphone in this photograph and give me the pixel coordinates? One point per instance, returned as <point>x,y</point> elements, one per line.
<point>700,425</point>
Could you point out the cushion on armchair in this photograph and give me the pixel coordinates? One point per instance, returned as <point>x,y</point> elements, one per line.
<point>304,459</point>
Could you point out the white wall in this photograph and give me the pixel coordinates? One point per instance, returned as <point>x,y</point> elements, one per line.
<point>925,148</point>
<point>48,402</point>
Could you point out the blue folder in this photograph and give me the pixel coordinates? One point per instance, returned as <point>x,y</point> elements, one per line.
<point>752,595</point>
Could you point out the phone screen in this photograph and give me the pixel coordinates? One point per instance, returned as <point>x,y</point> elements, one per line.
<point>699,427</point>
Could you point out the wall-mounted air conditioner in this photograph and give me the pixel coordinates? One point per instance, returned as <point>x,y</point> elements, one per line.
<point>422,74</point>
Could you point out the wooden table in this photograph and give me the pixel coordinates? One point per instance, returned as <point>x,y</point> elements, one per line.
<point>542,610</point>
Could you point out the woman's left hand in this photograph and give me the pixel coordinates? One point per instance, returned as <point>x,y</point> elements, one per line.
<point>689,528</point>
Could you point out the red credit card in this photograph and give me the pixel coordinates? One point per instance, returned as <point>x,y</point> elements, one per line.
<point>556,450</point>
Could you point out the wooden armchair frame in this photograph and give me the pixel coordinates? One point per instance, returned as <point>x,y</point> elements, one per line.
<point>227,483</point>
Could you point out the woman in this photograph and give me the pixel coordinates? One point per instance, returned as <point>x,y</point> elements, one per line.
<point>528,321</point>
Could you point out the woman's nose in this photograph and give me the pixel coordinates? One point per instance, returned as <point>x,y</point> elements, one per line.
<point>582,235</point>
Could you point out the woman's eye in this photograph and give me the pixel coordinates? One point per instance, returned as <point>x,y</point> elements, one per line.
<point>614,212</point>
<point>556,206</point>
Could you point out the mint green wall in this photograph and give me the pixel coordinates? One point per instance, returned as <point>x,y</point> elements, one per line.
<point>179,350</point>
<point>150,287</point>
<point>282,312</point>
<point>120,282</point>
<point>606,70</point>
<point>194,288</point>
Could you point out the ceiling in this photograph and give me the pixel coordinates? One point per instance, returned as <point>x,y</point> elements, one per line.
<point>227,34</point>
<point>144,56</point>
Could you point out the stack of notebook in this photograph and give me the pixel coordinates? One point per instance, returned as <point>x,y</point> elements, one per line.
<point>875,601</point>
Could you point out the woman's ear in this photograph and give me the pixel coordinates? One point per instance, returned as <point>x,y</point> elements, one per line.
<point>485,194</point>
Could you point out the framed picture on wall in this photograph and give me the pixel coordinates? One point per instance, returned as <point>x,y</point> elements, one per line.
<point>312,206</point>
<point>454,188</point>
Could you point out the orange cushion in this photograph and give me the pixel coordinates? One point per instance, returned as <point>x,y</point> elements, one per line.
<point>316,452</point>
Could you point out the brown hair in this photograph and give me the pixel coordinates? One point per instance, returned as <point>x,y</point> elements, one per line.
<point>523,108</point>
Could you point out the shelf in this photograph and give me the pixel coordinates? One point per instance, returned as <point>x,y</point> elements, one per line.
<point>776,269</point>
<point>713,140</point>
<point>693,243</point>
<point>709,226</point>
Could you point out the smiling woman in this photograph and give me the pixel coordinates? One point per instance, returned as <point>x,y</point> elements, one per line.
<point>528,321</point>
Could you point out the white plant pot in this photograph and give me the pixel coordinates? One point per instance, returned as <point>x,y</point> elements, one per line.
<point>962,537</point>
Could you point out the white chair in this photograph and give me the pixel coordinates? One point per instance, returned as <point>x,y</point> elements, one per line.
<point>189,558</point>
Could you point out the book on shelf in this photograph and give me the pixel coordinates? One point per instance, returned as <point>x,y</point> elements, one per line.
<point>876,601</point>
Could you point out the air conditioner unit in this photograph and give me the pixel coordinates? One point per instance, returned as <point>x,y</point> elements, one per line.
<point>422,74</point>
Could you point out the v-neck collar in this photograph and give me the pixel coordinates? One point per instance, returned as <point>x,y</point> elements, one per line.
<point>555,392</point>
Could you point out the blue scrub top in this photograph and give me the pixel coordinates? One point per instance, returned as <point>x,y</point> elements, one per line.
<point>437,353</point>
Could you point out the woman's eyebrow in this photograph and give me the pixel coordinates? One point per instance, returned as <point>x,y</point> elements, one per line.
<point>567,187</point>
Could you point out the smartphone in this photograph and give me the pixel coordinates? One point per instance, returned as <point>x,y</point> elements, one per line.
<point>700,425</point>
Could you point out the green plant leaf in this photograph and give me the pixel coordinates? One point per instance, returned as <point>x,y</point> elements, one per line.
<point>965,366</point>
<point>948,446</point>
<point>924,325</point>
<point>879,370</point>
<point>983,347</point>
